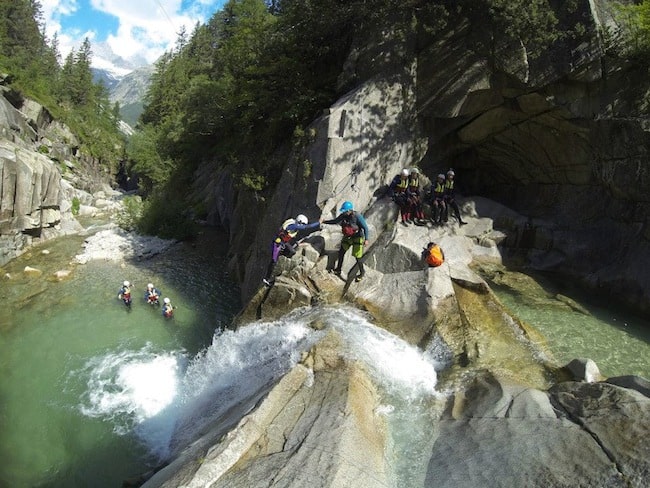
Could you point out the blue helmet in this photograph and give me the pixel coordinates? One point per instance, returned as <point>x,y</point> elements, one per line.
<point>347,206</point>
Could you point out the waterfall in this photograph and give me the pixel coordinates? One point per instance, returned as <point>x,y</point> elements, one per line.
<point>168,399</point>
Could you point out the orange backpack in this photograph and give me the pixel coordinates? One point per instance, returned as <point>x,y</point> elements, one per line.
<point>434,256</point>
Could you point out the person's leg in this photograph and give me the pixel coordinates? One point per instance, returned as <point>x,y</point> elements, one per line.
<point>403,211</point>
<point>345,244</point>
<point>275,254</point>
<point>357,252</point>
<point>454,205</point>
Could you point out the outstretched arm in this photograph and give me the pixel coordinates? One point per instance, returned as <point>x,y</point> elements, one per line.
<point>336,220</point>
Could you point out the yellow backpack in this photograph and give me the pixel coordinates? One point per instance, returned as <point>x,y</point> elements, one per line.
<point>434,256</point>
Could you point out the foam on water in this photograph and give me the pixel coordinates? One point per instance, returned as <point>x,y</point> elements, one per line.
<point>167,399</point>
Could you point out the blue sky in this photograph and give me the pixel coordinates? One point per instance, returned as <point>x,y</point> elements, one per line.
<point>130,27</point>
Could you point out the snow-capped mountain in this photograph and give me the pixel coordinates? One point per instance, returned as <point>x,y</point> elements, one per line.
<point>127,80</point>
<point>103,58</point>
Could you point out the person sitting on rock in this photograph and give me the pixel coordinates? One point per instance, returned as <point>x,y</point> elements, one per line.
<point>355,235</point>
<point>152,295</point>
<point>414,197</point>
<point>450,197</point>
<point>433,254</point>
<point>167,308</point>
<point>398,193</point>
<point>286,242</point>
<point>437,202</point>
<point>125,293</point>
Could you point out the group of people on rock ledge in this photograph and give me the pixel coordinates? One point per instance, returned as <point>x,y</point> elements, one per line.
<point>404,190</point>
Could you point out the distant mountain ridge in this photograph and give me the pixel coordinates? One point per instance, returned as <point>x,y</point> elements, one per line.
<point>127,80</point>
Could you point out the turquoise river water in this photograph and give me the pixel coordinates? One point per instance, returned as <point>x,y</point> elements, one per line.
<point>92,394</point>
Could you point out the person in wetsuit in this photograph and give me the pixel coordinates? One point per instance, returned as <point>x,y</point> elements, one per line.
<point>355,236</point>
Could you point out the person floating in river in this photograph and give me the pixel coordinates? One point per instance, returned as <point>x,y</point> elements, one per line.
<point>125,293</point>
<point>286,241</point>
<point>152,295</point>
<point>355,235</point>
<point>167,308</point>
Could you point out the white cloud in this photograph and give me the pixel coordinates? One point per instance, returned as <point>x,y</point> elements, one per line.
<point>146,27</point>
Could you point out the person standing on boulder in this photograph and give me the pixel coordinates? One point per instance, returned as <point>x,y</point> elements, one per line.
<point>397,190</point>
<point>355,235</point>
<point>450,197</point>
<point>285,242</point>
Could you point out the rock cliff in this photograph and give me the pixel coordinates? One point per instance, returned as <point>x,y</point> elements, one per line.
<point>559,137</point>
<point>36,151</point>
<point>561,141</point>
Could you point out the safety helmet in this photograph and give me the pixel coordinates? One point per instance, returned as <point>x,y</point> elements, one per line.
<point>301,219</point>
<point>441,176</point>
<point>405,172</point>
<point>166,300</point>
<point>126,283</point>
<point>451,172</point>
<point>150,285</point>
<point>346,207</point>
<point>415,171</point>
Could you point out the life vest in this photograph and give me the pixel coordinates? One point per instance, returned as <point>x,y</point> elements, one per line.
<point>285,235</point>
<point>402,185</point>
<point>126,293</point>
<point>350,227</point>
<point>449,187</point>
<point>152,296</point>
<point>434,256</point>
<point>414,185</point>
<point>439,190</point>
<point>168,310</point>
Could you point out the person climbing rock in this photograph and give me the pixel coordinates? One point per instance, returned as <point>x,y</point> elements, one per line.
<point>355,235</point>
<point>286,242</point>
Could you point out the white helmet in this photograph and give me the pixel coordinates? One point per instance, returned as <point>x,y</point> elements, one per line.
<point>441,176</point>
<point>126,283</point>
<point>150,285</point>
<point>405,172</point>
<point>415,171</point>
<point>451,172</point>
<point>166,300</point>
<point>301,219</point>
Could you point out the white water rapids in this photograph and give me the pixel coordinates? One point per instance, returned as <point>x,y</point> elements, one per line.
<point>167,399</point>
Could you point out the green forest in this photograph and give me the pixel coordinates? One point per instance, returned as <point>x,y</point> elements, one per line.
<point>235,90</point>
<point>33,68</point>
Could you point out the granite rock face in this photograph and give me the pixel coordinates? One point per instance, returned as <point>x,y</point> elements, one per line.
<point>31,195</point>
<point>36,152</point>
